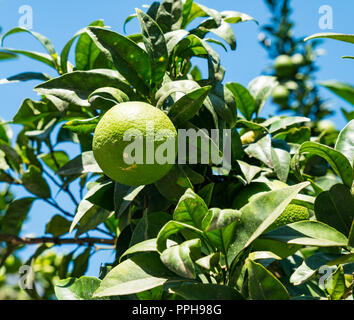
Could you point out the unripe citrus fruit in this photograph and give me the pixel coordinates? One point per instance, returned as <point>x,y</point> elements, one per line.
<point>292,213</point>
<point>298,59</point>
<point>326,125</point>
<point>130,143</point>
<point>281,94</point>
<point>284,66</point>
<point>250,136</point>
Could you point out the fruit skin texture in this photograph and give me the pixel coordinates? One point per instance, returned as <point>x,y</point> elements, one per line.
<point>108,144</point>
<point>292,213</point>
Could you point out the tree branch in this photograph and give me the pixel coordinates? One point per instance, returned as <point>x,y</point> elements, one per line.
<point>16,241</point>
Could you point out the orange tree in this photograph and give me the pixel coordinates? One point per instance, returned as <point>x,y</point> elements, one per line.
<point>264,229</point>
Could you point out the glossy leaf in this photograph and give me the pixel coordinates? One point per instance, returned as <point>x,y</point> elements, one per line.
<point>58,226</point>
<point>337,160</point>
<point>178,258</point>
<point>244,100</point>
<point>330,35</point>
<point>335,284</point>
<point>15,215</point>
<point>341,89</point>
<point>76,289</point>
<point>35,183</point>
<point>187,106</point>
<point>311,233</point>
<point>259,214</point>
<point>75,87</point>
<point>261,89</point>
<point>137,274</point>
<point>345,142</point>
<point>191,209</point>
<point>83,163</point>
<point>336,208</point>
<point>128,58</point>
<point>155,45</point>
<point>263,285</point>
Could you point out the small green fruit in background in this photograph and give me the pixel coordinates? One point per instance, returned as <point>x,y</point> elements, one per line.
<point>326,125</point>
<point>284,66</point>
<point>298,59</point>
<point>281,94</point>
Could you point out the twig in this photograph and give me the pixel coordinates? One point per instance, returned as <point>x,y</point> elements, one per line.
<point>16,241</point>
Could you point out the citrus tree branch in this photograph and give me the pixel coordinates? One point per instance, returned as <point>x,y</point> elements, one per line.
<point>16,241</point>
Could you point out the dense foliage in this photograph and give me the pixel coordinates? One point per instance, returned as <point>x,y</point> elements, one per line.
<point>199,232</point>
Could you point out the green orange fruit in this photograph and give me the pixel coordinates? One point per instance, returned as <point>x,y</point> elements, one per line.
<point>131,143</point>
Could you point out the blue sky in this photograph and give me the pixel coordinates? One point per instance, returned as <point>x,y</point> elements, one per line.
<point>59,21</point>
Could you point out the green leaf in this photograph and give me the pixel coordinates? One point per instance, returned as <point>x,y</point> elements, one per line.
<point>209,291</point>
<point>75,87</point>
<point>312,264</point>
<point>155,45</point>
<point>170,14</point>
<point>187,106</point>
<point>236,17</point>
<point>12,156</point>
<point>91,219</point>
<point>107,97</point>
<point>259,214</point>
<point>87,207</point>
<point>220,218</point>
<point>76,289</point>
<point>206,193</point>
<point>263,285</point>
<point>341,89</point>
<point>261,89</point>
<point>84,163</point>
<point>261,150</point>
<point>170,228</point>
<point>55,160</point>
<point>345,142</point>
<point>82,126</point>
<point>57,226</point>
<point>223,30</point>
<point>337,160</point>
<point>5,55</point>
<point>336,36</point>
<point>310,233</point>
<point>173,38</point>
<point>285,122</point>
<point>35,183</point>
<point>281,162</point>
<point>15,215</point>
<point>149,226</point>
<point>123,196</point>
<point>26,76</point>
<point>81,263</point>
<point>335,208</point>
<point>42,39</point>
<point>128,58</point>
<point>248,171</point>
<point>335,284</point>
<point>41,57</point>
<point>224,103</point>
<point>191,209</point>
<point>178,258</point>
<point>137,274</point>
<point>244,100</point>
<point>86,52</point>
